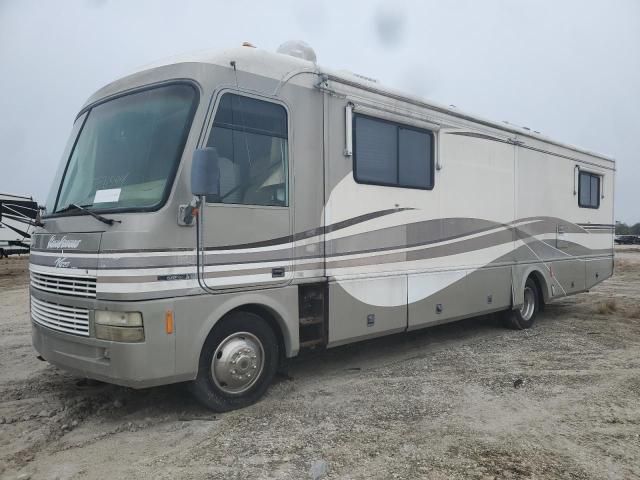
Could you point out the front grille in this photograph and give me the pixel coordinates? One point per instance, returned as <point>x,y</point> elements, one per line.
<point>60,317</point>
<point>64,285</point>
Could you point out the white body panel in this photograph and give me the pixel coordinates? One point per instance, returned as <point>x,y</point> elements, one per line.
<point>504,205</point>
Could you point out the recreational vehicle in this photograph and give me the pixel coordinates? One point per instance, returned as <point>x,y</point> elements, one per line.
<point>216,214</point>
<point>17,216</point>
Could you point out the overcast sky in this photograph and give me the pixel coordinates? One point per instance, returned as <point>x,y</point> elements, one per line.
<point>570,68</point>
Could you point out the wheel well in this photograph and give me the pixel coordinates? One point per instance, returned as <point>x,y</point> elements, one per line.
<point>538,279</point>
<point>269,316</point>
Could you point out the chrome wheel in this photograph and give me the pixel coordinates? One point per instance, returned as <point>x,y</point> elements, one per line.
<point>528,307</point>
<point>237,363</point>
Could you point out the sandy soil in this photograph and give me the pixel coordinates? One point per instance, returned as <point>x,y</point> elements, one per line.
<point>466,400</point>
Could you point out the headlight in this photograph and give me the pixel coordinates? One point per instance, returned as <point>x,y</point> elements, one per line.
<point>118,319</point>
<point>119,326</point>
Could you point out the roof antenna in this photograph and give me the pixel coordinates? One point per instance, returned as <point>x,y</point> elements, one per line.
<point>235,74</point>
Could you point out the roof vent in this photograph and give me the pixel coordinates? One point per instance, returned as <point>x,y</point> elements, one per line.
<point>298,49</point>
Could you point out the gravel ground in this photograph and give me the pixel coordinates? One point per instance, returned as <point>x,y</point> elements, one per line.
<point>465,400</point>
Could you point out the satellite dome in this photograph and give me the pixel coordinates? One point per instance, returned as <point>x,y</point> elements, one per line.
<point>299,49</point>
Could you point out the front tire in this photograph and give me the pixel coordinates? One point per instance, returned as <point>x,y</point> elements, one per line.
<point>237,364</point>
<point>525,316</point>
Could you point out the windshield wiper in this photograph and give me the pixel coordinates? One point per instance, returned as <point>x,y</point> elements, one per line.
<point>73,206</point>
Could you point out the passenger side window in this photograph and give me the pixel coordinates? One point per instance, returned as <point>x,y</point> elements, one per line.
<point>387,153</point>
<point>589,190</point>
<point>250,136</point>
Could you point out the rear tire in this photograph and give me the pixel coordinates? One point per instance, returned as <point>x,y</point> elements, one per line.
<point>237,364</point>
<point>525,316</point>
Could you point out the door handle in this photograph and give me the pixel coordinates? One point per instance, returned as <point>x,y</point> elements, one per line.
<point>277,272</point>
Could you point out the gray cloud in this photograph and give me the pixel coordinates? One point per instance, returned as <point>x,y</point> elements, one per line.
<point>389,23</point>
<point>570,69</point>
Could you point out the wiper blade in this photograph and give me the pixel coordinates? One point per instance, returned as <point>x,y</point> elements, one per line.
<point>73,206</point>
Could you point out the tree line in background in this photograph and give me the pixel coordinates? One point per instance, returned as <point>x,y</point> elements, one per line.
<point>624,229</point>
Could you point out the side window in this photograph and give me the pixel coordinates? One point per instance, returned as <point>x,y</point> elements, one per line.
<point>376,150</point>
<point>250,136</point>
<point>386,153</point>
<point>415,158</point>
<point>589,190</point>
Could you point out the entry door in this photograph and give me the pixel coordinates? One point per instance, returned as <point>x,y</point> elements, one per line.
<point>248,227</point>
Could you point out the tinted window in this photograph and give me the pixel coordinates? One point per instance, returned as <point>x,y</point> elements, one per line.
<point>128,150</point>
<point>415,158</point>
<point>386,153</point>
<point>595,191</point>
<point>589,190</point>
<point>250,136</point>
<point>377,150</point>
<point>244,113</point>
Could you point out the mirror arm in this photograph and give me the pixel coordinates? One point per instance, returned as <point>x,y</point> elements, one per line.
<point>187,213</point>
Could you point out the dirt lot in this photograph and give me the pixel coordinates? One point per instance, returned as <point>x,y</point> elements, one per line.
<point>467,400</point>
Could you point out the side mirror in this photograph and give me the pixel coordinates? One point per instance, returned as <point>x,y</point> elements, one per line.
<point>205,173</point>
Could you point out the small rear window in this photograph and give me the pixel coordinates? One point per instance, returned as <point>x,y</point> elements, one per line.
<point>589,190</point>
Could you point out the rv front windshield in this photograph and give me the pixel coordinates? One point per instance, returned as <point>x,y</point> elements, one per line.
<point>127,151</point>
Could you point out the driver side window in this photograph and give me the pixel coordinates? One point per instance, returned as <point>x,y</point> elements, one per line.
<point>250,136</point>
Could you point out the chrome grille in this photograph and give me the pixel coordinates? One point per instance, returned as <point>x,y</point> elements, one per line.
<point>60,317</point>
<point>64,285</point>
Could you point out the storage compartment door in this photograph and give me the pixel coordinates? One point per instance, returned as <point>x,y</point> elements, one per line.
<point>368,307</point>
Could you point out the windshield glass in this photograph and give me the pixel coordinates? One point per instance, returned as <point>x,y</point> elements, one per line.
<point>128,150</point>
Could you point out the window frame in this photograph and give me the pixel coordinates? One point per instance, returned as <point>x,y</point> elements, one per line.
<point>398,126</point>
<point>591,175</point>
<point>207,131</point>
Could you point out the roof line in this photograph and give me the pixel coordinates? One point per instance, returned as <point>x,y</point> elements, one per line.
<point>489,123</point>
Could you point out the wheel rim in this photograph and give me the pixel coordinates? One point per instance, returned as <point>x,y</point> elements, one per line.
<point>529,304</point>
<point>237,363</point>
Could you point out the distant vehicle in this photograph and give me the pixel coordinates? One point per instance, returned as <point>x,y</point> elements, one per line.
<point>17,214</point>
<point>217,214</point>
<point>627,239</point>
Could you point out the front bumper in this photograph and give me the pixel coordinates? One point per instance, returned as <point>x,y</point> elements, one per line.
<point>137,365</point>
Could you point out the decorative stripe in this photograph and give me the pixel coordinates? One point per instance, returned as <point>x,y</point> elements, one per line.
<point>285,239</point>
<point>587,225</point>
<point>381,240</point>
<point>535,149</point>
<point>146,274</point>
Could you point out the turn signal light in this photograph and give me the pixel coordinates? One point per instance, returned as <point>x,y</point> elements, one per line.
<point>168,322</point>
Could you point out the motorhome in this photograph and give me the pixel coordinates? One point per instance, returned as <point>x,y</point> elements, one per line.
<point>219,213</point>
